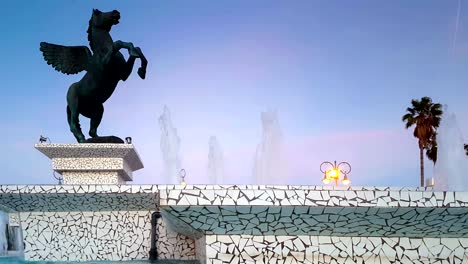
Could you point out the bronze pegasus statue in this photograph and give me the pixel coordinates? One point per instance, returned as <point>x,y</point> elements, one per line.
<point>105,66</point>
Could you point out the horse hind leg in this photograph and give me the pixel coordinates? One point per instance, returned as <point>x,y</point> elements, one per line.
<point>73,114</point>
<point>75,127</point>
<point>68,116</point>
<point>96,120</point>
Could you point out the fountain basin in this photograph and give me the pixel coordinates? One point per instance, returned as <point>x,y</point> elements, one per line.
<point>207,220</point>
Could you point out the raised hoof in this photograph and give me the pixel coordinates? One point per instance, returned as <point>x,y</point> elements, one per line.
<point>142,73</point>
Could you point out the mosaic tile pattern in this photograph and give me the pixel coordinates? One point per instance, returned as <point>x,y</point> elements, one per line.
<point>172,245</point>
<point>324,250</point>
<point>81,160</point>
<point>85,236</point>
<point>90,170</point>
<point>180,226</point>
<point>85,177</point>
<point>178,188</point>
<point>91,188</point>
<point>89,150</point>
<point>64,164</point>
<point>81,236</point>
<point>351,212</point>
<point>68,198</point>
<point>338,221</point>
<point>251,215</point>
<point>389,212</point>
<point>291,187</point>
<point>311,197</point>
<point>73,198</point>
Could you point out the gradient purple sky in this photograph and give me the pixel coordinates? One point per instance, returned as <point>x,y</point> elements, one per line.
<point>339,73</point>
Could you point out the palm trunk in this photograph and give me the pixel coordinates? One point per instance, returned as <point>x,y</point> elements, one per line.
<point>421,162</point>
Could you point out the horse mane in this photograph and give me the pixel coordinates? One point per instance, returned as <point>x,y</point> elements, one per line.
<point>90,33</point>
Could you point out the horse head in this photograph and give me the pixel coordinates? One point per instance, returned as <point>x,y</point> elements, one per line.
<point>104,20</point>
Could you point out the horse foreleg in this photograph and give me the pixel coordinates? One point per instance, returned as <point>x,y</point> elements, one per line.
<point>73,114</point>
<point>96,120</point>
<point>127,69</point>
<point>144,63</point>
<point>116,47</point>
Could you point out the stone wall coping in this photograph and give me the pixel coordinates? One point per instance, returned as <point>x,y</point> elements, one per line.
<point>87,150</point>
<point>148,188</point>
<point>24,196</point>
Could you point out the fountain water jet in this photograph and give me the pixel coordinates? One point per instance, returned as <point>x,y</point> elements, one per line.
<point>170,145</point>
<point>215,162</point>
<point>3,235</point>
<point>270,163</point>
<point>451,168</point>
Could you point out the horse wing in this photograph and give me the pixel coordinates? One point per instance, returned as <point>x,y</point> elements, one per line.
<point>68,60</point>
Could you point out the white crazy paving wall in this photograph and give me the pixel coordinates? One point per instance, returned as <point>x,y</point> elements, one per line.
<point>307,211</point>
<point>81,236</point>
<point>221,249</point>
<point>172,245</point>
<point>187,204</point>
<point>305,224</point>
<point>112,235</point>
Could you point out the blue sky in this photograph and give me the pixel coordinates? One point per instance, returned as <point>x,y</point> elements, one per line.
<point>339,73</point>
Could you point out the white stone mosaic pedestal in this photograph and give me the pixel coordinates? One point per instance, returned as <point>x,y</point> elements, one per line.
<point>93,163</point>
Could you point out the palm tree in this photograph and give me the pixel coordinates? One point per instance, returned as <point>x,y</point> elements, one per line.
<point>466,148</point>
<point>425,116</point>
<point>431,151</point>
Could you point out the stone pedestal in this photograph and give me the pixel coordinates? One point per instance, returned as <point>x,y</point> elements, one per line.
<point>93,163</point>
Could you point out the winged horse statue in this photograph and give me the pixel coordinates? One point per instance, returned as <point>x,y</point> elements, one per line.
<point>105,66</point>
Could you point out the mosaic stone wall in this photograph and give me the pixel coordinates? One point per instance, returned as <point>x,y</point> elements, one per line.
<point>87,163</point>
<point>307,211</point>
<point>172,245</point>
<point>87,177</point>
<point>81,236</point>
<point>56,217</point>
<point>334,250</point>
<point>363,197</point>
<point>85,236</point>
<point>83,152</point>
<point>93,170</point>
<point>337,221</point>
<point>64,198</point>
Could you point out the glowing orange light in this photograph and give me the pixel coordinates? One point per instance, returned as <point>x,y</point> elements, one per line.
<point>336,172</point>
<point>333,173</point>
